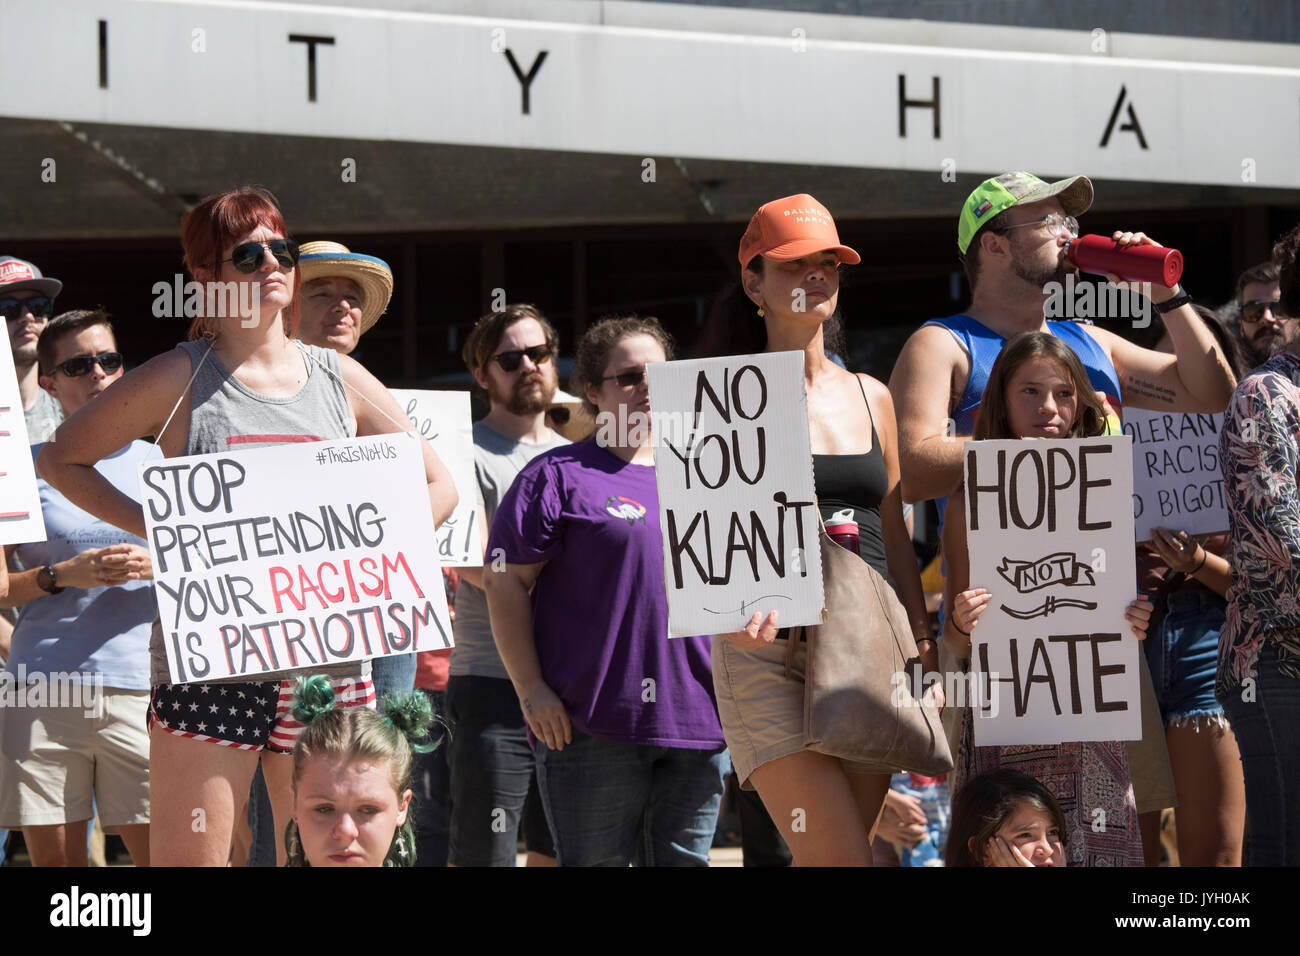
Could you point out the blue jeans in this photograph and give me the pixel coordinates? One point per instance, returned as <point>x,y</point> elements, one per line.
<point>392,675</point>
<point>431,781</point>
<point>1183,656</point>
<point>612,803</point>
<point>1267,729</point>
<point>494,796</point>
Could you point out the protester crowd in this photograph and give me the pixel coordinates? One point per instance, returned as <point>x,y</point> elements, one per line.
<point>535,729</point>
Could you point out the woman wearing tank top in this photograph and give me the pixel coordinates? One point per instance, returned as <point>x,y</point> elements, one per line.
<point>242,381</point>
<point>790,259</point>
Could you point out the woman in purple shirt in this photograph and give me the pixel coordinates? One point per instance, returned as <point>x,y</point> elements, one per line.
<point>629,749</point>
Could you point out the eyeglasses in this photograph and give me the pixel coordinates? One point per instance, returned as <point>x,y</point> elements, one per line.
<point>1253,311</point>
<point>41,307</point>
<point>511,360</point>
<point>627,379</point>
<point>247,256</point>
<point>110,362</point>
<point>1054,222</point>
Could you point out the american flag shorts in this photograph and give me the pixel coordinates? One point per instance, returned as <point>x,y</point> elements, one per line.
<point>247,716</point>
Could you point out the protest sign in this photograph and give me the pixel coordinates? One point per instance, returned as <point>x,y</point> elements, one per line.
<point>1177,478</point>
<point>1049,537</point>
<point>291,557</point>
<point>737,507</point>
<point>443,418</point>
<point>20,501</point>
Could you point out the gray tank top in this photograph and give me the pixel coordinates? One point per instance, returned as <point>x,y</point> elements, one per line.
<point>227,415</point>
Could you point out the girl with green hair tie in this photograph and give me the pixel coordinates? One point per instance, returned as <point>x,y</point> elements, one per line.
<point>352,778</point>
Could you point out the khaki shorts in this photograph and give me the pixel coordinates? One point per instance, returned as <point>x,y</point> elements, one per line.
<point>1148,758</point>
<point>57,758</point>
<point>761,710</point>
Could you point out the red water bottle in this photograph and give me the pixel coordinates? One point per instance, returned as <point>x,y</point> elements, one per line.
<point>1099,255</point>
<point>842,528</point>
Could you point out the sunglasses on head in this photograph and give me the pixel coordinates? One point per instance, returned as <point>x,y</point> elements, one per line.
<point>41,307</point>
<point>1253,311</point>
<point>512,359</point>
<point>247,256</point>
<point>110,362</point>
<point>627,379</point>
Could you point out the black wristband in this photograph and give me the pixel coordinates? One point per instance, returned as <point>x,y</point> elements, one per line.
<point>48,572</point>
<point>953,621</point>
<point>1181,298</point>
<point>1204,554</point>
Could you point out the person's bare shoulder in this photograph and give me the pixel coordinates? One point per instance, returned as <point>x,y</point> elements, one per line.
<point>930,355</point>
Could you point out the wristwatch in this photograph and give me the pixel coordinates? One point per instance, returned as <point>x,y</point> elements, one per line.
<point>47,580</point>
<point>1181,298</point>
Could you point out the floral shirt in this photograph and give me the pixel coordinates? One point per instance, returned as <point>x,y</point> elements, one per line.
<point>1260,451</point>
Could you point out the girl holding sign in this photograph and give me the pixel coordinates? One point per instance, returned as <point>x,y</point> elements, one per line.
<point>790,259</point>
<point>241,382</point>
<point>1038,389</point>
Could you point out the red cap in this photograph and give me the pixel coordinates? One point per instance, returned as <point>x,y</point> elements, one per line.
<point>792,228</point>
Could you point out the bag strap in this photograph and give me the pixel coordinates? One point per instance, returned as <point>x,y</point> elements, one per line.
<point>185,391</point>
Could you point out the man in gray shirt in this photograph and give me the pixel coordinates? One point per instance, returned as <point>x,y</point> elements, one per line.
<point>493,783</point>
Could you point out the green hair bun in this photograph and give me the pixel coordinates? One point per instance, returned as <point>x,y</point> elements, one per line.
<point>313,698</point>
<point>412,715</point>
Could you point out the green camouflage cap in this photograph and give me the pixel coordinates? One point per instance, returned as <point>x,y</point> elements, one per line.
<point>1002,192</point>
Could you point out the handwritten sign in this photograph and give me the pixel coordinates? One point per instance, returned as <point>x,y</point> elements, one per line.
<point>736,501</point>
<point>293,557</point>
<point>1177,477</point>
<point>1053,657</point>
<point>20,501</point>
<point>443,418</point>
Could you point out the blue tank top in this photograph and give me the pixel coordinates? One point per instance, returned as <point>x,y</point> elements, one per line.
<point>982,344</point>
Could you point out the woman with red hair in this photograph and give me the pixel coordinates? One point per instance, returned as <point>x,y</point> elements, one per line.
<point>241,381</point>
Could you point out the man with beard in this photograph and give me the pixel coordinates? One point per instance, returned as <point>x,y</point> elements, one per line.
<point>1011,235</point>
<point>511,355</point>
<point>1264,331</point>
<point>27,300</point>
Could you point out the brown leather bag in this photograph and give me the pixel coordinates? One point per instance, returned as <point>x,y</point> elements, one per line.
<point>855,707</point>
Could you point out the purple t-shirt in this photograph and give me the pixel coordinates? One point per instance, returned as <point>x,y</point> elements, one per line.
<point>600,611</point>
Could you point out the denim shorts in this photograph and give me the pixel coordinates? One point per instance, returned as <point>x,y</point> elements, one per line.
<point>1183,655</point>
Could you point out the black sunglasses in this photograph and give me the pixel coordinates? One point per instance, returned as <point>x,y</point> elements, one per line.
<point>1253,311</point>
<point>110,362</point>
<point>41,306</point>
<point>247,256</point>
<point>512,359</point>
<point>627,379</point>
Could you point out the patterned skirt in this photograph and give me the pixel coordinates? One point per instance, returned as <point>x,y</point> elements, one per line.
<point>1089,780</point>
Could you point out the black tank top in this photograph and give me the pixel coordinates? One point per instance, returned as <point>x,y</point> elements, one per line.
<point>857,483</point>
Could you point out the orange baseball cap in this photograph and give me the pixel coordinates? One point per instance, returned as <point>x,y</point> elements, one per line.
<point>791,228</point>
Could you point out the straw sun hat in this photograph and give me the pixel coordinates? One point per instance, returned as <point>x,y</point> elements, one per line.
<point>319,260</point>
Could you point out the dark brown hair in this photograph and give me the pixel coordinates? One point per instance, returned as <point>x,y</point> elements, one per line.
<point>734,328</point>
<point>216,222</point>
<point>1286,256</point>
<point>486,336</point>
<point>984,804</point>
<point>1090,418</point>
<point>599,340</point>
<point>1266,272</point>
<point>970,262</point>
<point>61,326</point>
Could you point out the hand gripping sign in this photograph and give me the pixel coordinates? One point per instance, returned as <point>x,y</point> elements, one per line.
<point>1177,477</point>
<point>292,557</point>
<point>736,503</point>
<point>1050,536</point>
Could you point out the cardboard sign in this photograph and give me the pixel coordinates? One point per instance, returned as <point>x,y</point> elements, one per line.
<point>736,502</point>
<point>21,521</point>
<point>443,418</point>
<point>287,558</point>
<point>1177,477</point>
<point>1050,539</point>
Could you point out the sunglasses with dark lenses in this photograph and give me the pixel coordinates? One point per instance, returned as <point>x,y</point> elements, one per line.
<point>42,307</point>
<point>110,362</point>
<point>511,360</point>
<point>247,256</point>
<point>627,379</point>
<point>1253,311</point>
